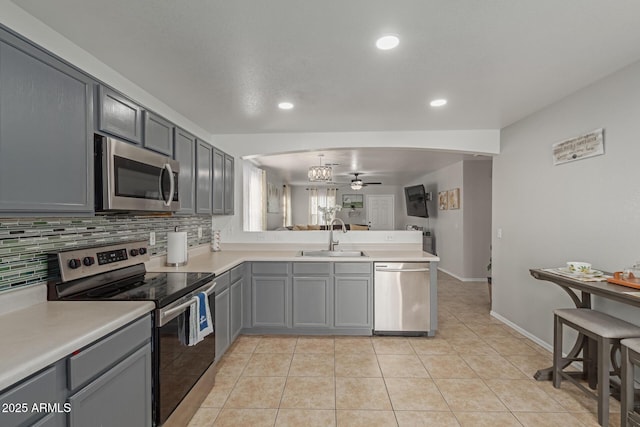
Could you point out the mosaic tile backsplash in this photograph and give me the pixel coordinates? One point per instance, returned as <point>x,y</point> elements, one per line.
<point>25,242</point>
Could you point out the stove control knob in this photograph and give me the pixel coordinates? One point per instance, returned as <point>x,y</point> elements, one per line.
<point>89,261</point>
<point>74,263</point>
<point>142,251</point>
<point>133,252</point>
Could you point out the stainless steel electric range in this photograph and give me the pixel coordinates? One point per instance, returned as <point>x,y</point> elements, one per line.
<point>116,272</point>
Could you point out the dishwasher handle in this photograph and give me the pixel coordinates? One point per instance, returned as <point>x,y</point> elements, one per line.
<point>401,270</point>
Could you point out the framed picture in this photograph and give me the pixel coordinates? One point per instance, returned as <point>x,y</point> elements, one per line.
<point>443,204</point>
<point>273,198</point>
<point>454,198</point>
<point>353,201</point>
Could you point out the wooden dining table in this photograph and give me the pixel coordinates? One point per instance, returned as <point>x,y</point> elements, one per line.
<point>580,292</point>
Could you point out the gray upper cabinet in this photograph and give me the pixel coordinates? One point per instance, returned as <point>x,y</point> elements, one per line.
<point>158,134</point>
<point>46,132</point>
<point>184,151</point>
<point>218,182</point>
<point>229,184</point>
<point>204,172</point>
<point>119,115</point>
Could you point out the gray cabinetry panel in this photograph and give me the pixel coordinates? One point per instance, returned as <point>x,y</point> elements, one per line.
<point>46,130</point>
<point>270,301</point>
<point>204,172</point>
<point>223,333</point>
<point>229,185</point>
<point>52,420</point>
<point>91,361</point>
<point>121,397</point>
<point>236,308</point>
<point>270,268</point>
<point>223,281</point>
<point>218,182</point>
<point>158,134</point>
<point>184,151</point>
<point>47,386</point>
<point>353,302</point>
<point>119,116</point>
<point>311,302</point>
<point>311,268</point>
<point>237,273</point>
<point>362,268</point>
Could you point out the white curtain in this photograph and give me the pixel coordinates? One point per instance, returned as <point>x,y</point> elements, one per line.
<point>286,206</point>
<point>254,198</point>
<point>313,207</point>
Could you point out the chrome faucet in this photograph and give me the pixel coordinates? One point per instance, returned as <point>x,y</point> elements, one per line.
<point>333,243</point>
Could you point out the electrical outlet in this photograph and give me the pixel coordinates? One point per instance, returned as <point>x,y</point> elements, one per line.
<point>499,233</point>
<point>199,232</point>
<point>389,237</point>
<point>152,238</point>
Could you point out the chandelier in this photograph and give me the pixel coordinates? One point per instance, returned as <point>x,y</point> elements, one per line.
<point>320,173</point>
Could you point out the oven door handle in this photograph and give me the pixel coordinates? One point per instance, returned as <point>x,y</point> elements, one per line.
<point>172,185</point>
<point>172,313</point>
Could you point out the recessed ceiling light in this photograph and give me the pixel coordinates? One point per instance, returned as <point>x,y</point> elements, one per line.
<point>285,105</point>
<point>387,42</point>
<point>438,102</point>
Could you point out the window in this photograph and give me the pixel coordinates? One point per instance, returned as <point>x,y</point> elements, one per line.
<point>253,196</point>
<point>322,205</point>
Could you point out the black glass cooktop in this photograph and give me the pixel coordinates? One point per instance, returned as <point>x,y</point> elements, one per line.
<point>162,288</point>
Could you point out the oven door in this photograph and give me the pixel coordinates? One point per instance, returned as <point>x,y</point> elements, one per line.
<point>135,179</point>
<point>178,366</point>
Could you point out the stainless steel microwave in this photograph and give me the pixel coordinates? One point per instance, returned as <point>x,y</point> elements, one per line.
<point>130,178</point>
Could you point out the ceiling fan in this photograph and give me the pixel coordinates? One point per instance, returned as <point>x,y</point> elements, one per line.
<point>357,183</point>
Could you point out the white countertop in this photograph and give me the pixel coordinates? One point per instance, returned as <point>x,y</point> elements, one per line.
<point>219,262</point>
<point>35,337</point>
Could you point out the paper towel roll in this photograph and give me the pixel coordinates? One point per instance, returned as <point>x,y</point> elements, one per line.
<point>177,248</point>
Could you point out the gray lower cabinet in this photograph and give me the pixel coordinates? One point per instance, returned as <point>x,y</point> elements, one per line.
<point>218,182</point>
<point>119,116</point>
<point>107,383</point>
<point>311,302</point>
<point>46,386</point>
<point>223,334</point>
<point>158,134</point>
<point>270,306</point>
<point>353,302</point>
<point>120,397</point>
<point>46,132</point>
<point>353,295</point>
<point>229,184</point>
<point>320,296</point>
<point>204,171</point>
<point>237,307</point>
<point>184,151</point>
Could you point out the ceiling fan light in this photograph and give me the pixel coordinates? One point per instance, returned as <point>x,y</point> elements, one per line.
<point>356,184</point>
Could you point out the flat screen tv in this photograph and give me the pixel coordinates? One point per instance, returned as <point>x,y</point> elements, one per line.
<point>416,201</point>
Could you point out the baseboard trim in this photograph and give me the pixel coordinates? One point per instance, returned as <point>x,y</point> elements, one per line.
<point>463,279</point>
<point>527,334</point>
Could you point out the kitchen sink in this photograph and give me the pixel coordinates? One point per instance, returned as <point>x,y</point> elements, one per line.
<point>338,253</point>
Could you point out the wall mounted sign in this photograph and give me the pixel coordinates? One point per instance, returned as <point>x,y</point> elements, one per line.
<point>443,204</point>
<point>580,147</point>
<point>454,198</point>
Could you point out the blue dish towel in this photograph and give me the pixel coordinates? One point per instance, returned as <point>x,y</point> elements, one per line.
<point>200,321</point>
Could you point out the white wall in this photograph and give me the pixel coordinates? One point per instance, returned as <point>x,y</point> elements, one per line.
<point>462,236</point>
<point>476,205</point>
<point>587,210</point>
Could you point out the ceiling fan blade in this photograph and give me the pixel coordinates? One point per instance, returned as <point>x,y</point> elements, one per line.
<point>372,183</point>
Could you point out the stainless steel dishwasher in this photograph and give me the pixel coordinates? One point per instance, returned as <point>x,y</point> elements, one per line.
<point>402,299</point>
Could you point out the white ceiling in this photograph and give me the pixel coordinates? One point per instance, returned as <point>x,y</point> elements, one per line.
<point>225,64</point>
<point>391,166</point>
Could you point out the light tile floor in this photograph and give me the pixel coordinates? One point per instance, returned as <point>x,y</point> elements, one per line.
<point>476,371</point>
